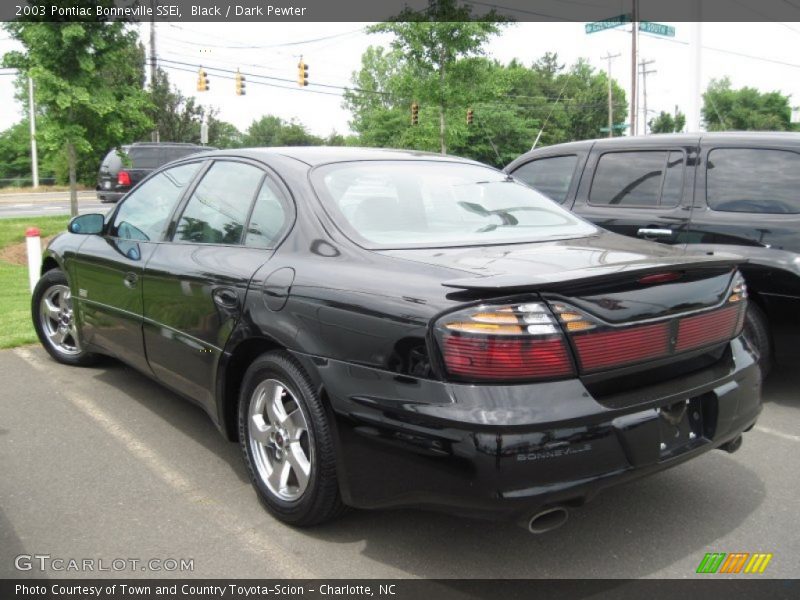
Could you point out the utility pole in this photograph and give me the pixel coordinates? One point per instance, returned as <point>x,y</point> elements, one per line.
<point>32,120</point>
<point>645,72</point>
<point>634,62</point>
<point>694,114</point>
<point>609,57</point>
<point>153,65</point>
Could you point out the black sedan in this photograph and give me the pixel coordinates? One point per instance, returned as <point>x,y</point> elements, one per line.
<point>386,328</point>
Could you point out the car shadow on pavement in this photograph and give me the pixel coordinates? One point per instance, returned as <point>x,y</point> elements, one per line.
<point>782,385</point>
<point>629,531</point>
<point>181,413</point>
<point>12,547</point>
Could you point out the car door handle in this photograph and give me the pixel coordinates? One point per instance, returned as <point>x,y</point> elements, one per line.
<point>646,232</point>
<point>225,297</point>
<point>130,280</point>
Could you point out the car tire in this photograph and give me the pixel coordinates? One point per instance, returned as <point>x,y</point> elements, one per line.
<point>287,442</point>
<point>54,320</point>
<point>756,330</point>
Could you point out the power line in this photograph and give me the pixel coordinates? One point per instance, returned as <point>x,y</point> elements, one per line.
<point>265,46</point>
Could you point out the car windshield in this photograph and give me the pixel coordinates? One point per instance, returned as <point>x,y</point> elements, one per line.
<point>396,204</point>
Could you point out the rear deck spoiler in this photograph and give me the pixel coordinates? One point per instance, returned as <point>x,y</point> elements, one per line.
<point>530,282</point>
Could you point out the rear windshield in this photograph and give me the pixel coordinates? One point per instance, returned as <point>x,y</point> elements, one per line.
<point>113,161</point>
<point>402,204</point>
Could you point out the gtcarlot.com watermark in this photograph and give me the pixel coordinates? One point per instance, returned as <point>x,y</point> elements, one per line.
<point>57,564</point>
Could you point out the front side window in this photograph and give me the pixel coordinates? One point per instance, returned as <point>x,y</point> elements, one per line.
<point>393,204</point>
<point>753,180</point>
<point>551,175</point>
<point>643,179</point>
<point>144,213</point>
<point>217,211</point>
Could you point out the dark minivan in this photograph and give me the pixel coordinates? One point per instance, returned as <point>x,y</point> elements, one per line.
<point>736,192</point>
<point>123,168</point>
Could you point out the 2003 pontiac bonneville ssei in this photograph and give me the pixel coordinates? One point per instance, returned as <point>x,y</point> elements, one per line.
<point>384,328</point>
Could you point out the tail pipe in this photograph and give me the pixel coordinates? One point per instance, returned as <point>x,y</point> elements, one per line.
<point>548,519</point>
<point>733,445</point>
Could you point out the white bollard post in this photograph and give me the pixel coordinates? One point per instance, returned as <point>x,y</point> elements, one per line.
<point>33,242</point>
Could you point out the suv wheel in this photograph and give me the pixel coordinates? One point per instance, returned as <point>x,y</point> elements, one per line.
<point>287,442</point>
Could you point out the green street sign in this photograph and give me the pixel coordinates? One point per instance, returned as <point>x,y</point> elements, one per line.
<point>609,23</point>
<point>617,127</point>
<point>657,28</point>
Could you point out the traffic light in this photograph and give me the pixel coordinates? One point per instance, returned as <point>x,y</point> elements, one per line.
<point>202,80</point>
<point>240,84</point>
<point>414,113</point>
<point>302,73</point>
<point>469,116</point>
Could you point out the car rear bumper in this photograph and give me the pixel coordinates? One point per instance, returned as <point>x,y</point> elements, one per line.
<point>507,451</point>
<point>107,196</point>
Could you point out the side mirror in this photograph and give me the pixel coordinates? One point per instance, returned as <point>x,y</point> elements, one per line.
<point>91,224</point>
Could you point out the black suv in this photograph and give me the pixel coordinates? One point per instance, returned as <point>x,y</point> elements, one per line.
<point>720,192</point>
<point>122,169</point>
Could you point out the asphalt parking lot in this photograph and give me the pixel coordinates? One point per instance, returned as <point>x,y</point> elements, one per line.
<point>103,463</point>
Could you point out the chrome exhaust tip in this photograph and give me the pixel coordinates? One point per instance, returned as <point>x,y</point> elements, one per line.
<point>547,520</point>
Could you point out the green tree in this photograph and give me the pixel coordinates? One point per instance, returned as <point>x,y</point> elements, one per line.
<point>745,109</point>
<point>511,104</point>
<point>89,77</point>
<point>176,117</point>
<point>432,42</point>
<point>15,152</point>
<point>270,131</point>
<point>666,123</point>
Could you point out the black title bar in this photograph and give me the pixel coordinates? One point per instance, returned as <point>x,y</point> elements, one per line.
<point>383,10</point>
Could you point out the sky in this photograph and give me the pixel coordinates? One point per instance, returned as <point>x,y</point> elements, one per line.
<point>760,55</point>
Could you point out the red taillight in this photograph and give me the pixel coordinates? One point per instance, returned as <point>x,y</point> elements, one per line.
<point>708,328</point>
<point>123,178</point>
<point>629,345</point>
<point>506,359</point>
<point>519,342</point>
<point>599,345</point>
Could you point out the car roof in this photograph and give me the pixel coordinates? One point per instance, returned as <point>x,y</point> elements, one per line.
<point>164,145</point>
<point>319,155</point>
<point>658,139</point>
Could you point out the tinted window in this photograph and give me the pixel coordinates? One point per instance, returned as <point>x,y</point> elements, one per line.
<point>551,176</point>
<point>146,158</point>
<point>217,211</point>
<point>636,179</point>
<point>144,213</point>
<point>429,204</point>
<point>268,218</point>
<point>176,152</point>
<point>755,181</point>
<point>672,192</point>
<point>113,160</point>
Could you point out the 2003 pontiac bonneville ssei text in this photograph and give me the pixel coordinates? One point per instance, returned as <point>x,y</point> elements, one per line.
<point>386,328</point>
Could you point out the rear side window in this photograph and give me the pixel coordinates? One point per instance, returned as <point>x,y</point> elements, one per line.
<point>144,213</point>
<point>643,179</point>
<point>551,175</point>
<point>753,180</point>
<point>268,218</point>
<point>146,158</point>
<point>217,211</point>
<point>176,152</point>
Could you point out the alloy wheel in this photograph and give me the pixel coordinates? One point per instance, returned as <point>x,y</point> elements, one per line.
<point>278,435</point>
<point>58,320</point>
